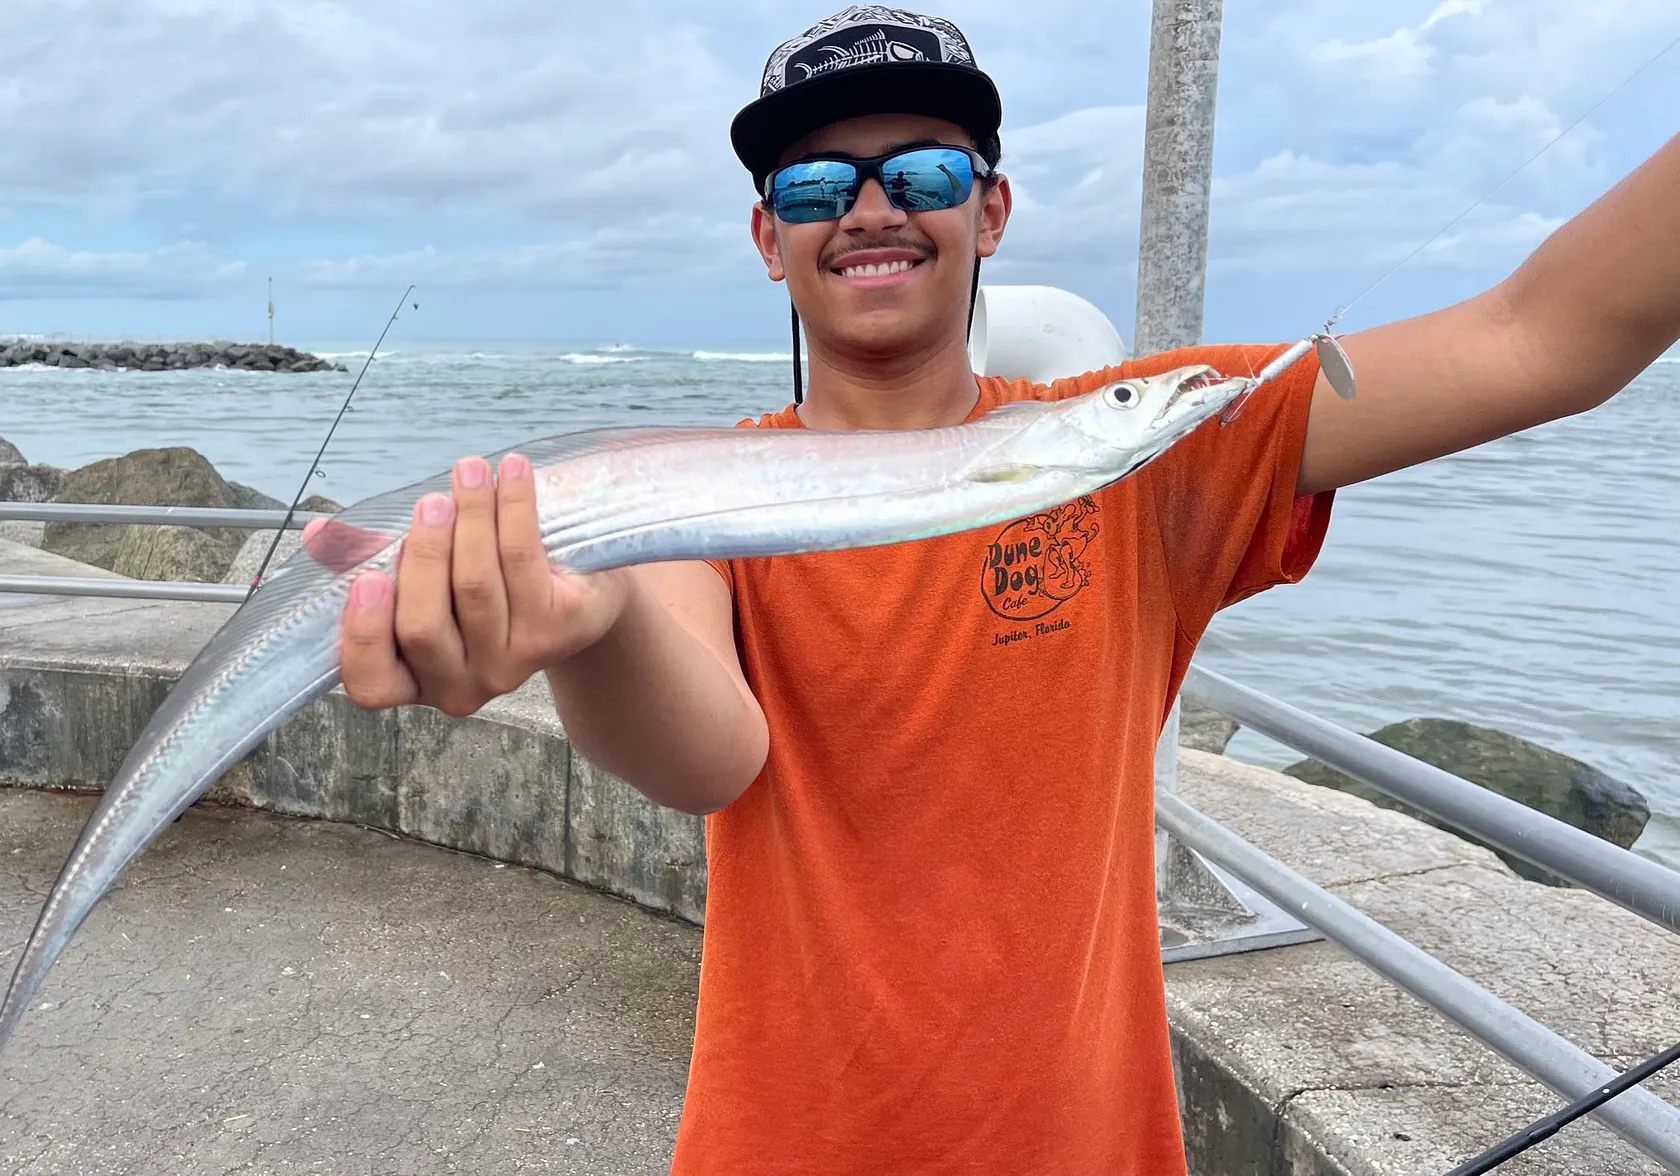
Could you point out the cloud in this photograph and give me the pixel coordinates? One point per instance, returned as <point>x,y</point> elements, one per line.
<point>1451,8</point>
<point>550,111</point>
<point>674,248</point>
<point>1077,181</point>
<point>181,270</point>
<point>522,145</point>
<point>1401,54</point>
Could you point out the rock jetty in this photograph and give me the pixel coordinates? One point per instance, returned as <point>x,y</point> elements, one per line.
<point>162,357</point>
<point>1546,780</point>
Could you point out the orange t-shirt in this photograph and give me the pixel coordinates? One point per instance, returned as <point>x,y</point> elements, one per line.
<point>931,940</point>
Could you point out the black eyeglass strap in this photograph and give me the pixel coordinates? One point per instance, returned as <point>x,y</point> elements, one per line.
<point>798,379</point>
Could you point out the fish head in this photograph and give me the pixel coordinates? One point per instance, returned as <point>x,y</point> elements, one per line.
<point>1146,414</point>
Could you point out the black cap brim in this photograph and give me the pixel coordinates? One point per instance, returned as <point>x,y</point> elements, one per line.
<point>956,93</point>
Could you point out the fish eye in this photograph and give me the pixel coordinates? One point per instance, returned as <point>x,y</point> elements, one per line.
<point>1121,395</point>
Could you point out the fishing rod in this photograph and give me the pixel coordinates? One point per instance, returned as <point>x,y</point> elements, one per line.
<point>315,466</point>
<point>1543,1129</point>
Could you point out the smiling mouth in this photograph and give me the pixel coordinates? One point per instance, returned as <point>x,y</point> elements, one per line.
<point>876,269</point>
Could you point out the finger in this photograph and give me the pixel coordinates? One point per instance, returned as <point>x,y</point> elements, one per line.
<point>374,676</point>
<point>481,607</point>
<point>339,546</point>
<point>525,566</point>
<point>427,636</point>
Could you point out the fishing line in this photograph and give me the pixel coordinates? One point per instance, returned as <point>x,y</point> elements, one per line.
<point>315,465</point>
<point>1652,60</point>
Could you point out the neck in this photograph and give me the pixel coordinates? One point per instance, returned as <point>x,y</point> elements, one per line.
<point>926,388</point>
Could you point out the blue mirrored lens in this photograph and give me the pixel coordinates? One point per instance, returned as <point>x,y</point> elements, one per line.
<point>821,189</point>
<point>928,179</point>
<point>924,179</point>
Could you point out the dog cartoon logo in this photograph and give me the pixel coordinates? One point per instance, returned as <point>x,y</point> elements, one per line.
<point>1037,564</point>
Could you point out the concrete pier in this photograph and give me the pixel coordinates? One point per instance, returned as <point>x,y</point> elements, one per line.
<point>271,993</point>
<point>267,994</point>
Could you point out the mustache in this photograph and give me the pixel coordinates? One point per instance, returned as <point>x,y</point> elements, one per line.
<point>833,257</point>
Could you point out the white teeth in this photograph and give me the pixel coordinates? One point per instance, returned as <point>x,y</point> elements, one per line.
<point>876,271</point>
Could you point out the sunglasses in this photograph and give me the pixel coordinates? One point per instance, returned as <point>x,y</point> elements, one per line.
<point>919,179</point>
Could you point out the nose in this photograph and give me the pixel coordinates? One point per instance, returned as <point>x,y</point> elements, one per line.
<point>872,210</point>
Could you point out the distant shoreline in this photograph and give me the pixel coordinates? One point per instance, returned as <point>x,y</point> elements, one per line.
<point>162,357</point>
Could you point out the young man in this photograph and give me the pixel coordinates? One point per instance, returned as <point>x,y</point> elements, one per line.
<point>931,942</point>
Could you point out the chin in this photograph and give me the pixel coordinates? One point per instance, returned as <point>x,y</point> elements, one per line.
<point>886,331</point>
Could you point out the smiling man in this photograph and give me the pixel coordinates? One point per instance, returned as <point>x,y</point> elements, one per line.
<point>931,939</point>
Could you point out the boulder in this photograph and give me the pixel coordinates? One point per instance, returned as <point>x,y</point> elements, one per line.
<point>1204,729</point>
<point>172,553</point>
<point>250,557</point>
<point>250,498</point>
<point>1542,779</point>
<point>146,477</point>
<point>244,567</point>
<point>24,532</point>
<point>29,483</point>
<point>10,454</point>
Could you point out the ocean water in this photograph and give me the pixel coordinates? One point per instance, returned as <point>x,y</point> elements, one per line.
<point>1532,584</point>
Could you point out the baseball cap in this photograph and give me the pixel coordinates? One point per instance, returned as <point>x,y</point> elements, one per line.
<point>868,59</point>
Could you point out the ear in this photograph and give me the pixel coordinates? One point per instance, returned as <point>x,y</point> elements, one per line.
<point>994,216</point>
<point>764,236</point>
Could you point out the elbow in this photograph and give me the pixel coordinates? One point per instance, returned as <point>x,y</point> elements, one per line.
<point>1570,362</point>
<point>701,790</point>
<point>703,798</point>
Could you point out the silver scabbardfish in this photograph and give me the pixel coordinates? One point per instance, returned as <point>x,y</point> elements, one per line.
<point>608,498</point>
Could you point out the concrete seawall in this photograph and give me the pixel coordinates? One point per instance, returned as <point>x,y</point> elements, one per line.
<point>1296,1060</point>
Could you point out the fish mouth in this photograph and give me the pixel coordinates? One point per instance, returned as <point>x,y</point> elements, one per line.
<point>1203,388</point>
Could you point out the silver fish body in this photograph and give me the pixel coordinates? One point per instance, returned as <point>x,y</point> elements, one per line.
<point>610,498</point>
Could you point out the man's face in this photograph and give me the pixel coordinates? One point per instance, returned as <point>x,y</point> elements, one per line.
<point>883,313</point>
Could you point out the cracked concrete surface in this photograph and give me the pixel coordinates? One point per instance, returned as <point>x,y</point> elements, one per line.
<point>264,994</point>
<point>1358,1077</point>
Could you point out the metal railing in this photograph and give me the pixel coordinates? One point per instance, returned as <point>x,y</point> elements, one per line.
<point>166,516</point>
<point>126,589</point>
<point>1618,875</point>
<point>1638,1116</point>
<point>1607,870</point>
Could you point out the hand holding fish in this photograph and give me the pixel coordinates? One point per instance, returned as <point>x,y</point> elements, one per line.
<point>476,608</point>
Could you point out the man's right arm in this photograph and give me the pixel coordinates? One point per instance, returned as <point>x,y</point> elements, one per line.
<point>641,661</point>
<point>660,699</point>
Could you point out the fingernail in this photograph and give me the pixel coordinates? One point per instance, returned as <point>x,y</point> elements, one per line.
<point>515,466</point>
<point>434,509</point>
<point>472,472</point>
<point>369,591</point>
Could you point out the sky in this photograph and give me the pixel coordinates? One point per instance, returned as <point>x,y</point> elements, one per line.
<point>563,171</point>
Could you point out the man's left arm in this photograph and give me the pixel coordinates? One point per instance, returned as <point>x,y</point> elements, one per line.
<point>1584,315</point>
